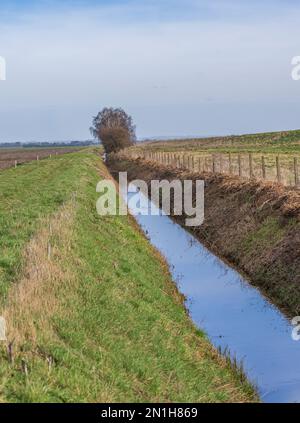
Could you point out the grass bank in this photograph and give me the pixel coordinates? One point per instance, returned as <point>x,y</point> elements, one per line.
<point>92,313</point>
<point>252,225</point>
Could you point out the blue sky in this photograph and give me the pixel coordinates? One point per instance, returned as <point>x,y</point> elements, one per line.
<point>181,68</point>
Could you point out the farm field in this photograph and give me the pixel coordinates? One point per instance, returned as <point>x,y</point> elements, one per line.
<point>92,313</point>
<point>271,156</point>
<point>267,142</point>
<point>12,157</point>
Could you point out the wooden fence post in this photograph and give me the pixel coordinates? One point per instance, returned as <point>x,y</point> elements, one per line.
<point>16,163</point>
<point>250,166</point>
<point>240,165</point>
<point>230,163</point>
<point>263,167</point>
<point>199,164</point>
<point>206,164</point>
<point>213,164</point>
<point>221,163</point>
<point>296,171</point>
<point>278,169</point>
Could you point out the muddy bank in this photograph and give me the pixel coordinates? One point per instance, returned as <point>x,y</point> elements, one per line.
<point>253,226</point>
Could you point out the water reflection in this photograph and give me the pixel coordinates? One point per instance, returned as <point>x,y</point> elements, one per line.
<point>233,313</point>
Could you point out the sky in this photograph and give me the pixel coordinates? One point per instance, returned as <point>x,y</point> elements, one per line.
<point>180,68</point>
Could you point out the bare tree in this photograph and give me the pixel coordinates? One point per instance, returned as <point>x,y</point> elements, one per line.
<point>114,128</point>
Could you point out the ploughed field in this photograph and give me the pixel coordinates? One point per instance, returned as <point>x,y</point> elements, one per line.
<point>12,157</point>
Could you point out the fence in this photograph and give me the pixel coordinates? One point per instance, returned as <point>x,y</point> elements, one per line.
<point>283,169</point>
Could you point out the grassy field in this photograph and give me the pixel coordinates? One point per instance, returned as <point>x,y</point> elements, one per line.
<point>232,154</point>
<point>267,142</point>
<point>92,313</point>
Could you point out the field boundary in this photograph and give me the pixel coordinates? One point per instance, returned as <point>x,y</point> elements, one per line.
<point>15,158</point>
<point>245,165</point>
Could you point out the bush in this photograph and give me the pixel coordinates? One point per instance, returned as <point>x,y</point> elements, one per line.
<point>114,128</point>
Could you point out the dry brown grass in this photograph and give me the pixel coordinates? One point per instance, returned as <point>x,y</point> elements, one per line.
<point>34,298</point>
<point>259,166</point>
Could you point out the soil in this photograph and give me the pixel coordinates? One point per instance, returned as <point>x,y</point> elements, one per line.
<point>8,157</point>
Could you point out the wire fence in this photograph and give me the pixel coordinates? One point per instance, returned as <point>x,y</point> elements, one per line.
<point>283,169</point>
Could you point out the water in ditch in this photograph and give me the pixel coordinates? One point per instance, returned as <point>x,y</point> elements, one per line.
<point>234,314</point>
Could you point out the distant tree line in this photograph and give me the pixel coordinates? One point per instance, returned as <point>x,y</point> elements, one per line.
<point>114,128</point>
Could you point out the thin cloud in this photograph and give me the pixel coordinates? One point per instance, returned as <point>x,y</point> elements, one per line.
<point>62,68</point>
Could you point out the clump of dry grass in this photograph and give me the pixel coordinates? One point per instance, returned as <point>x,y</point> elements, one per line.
<point>34,298</point>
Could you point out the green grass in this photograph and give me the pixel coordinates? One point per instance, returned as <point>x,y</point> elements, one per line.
<point>285,145</point>
<point>268,235</point>
<point>27,194</point>
<point>285,142</point>
<point>108,322</point>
